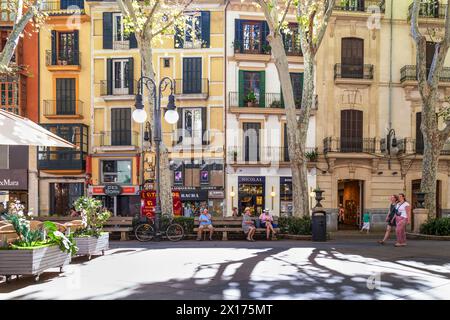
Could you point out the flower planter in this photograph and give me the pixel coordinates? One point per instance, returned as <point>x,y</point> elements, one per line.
<point>87,246</point>
<point>32,261</point>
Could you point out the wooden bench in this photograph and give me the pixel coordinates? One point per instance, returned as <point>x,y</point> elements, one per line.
<point>114,224</point>
<point>232,225</point>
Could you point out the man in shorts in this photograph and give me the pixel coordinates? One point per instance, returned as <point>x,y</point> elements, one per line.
<point>205,224</point>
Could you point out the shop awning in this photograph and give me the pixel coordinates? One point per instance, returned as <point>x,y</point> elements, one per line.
<point>17,130</point>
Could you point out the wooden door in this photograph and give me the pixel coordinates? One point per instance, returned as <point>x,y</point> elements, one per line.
<point>351,131</point>
<point>352,58</point>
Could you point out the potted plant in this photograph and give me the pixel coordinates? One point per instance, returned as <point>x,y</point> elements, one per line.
<point>90,238</point>
<point>250,99</point>
<point>266,48</point>
<point>237,46</point>
<point>276,104</point>
<point>311,155</point>
<point>35,249</point>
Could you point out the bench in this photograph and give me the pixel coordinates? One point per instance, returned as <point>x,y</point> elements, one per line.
<point>233,225</point>
<point>114,224</point>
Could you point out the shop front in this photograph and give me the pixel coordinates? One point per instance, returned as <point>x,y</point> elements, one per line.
<point>13,186</point>
<point>193,199</point>
<point>120,200</point>
<point>251,193</point>
<point>285,196</point>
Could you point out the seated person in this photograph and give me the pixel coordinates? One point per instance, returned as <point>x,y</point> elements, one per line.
<point>267,222</point>
<point>248,225</point>
<point>205,223</point>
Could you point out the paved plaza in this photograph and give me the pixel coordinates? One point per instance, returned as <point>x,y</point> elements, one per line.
<point>343,268</point>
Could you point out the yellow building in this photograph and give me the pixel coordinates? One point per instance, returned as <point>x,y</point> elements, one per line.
<point>119,160</point>
<point>65,96</point>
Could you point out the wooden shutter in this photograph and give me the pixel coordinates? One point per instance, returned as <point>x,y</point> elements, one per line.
<point>76,52</point>
<point>251,141</point>
<point>65,96</point>
<point>264,33</point>
<point>205,25</point>
<point>107,30</point>
<point>133,41</point>
<point>351,131</point>
<point>192,75</point>
<point>262,89</point>
<point>419,135</point>
<point>352,58</point>
<point>54,53</point>
<point>241,88</point>
<point>238,33</point>
<point>204,125</point>
<point>131,76</point>
<point>121,126</point>
<point>285,145</point>
<point>109,77</point>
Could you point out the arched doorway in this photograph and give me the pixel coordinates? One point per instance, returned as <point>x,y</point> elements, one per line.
<point>351,197</point>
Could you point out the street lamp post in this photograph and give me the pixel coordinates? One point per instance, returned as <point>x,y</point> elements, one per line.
<point>389,144</point>
<point>171,116</point>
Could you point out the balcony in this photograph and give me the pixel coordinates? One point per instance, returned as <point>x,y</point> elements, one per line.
<point>260,155</point>
<point>55,158</point>
<point>62,8</point>
<point>292,46</point>
<point>360,72</point>
<point>409,73</point>
<point>429,10</point>
<point>368,6</point>
<point>62,60</point>
<point>186,90</point>
<point>119,138</point>
<point>118,90</point>
<point>63,109</point>
<point>412,146</point>
<point>349,145</point>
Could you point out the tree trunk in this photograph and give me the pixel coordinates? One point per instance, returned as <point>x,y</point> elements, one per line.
<point>145,49</point>
<point>296,136</point>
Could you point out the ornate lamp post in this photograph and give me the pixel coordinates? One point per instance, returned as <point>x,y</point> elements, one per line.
<point>171,116</point>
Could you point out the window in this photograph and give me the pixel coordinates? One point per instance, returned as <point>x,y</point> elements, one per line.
<point>419,134</point>
<point>195,32</point>
<point>252,88</point>
<point>352,5</point>
<point>252,37</point>
<point>430,55</point>
<point>4,157</point>
<point>291,40</point>
<point>116,171</point>
<point>251,141</point>
<point>121,76</point>
<point>64,48</point>
<point>121,127</point>
<point>204,174</point>
<point>62,197</point>
<point>65,96</point>
<point>192,126</point>
<point>166,63</point>
<point>178,174</point>
<point>285,145</point>
<point>192,75</point>
<point>351,131</point>
<point>352,58</point>
<point>9,96</point>
<point>297,86</point>
<point>7,12</point>
<point>120,39</point>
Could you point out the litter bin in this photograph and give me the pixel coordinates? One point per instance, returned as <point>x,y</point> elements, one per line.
<point>319,226</point>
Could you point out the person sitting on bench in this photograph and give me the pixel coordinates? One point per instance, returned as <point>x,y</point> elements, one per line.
<point>266,222</point>
<point>248,225</point>
<point>205,223</point>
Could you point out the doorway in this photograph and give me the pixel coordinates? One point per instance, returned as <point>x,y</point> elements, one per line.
<point>415,187</point>
<point>351,197</point>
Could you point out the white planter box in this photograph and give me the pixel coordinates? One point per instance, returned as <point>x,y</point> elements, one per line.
<point>88,246</point>
<point>33,261</point>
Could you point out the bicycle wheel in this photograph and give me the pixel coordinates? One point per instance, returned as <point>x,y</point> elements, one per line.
<point>175,232</point>
<point>144,232</point>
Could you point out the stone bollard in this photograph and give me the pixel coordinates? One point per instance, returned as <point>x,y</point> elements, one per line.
<point>420,216</point>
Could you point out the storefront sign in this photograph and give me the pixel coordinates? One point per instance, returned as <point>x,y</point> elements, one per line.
<point>148,203</point>
<point>194,195</point>
<point>284,180</point>
<point>112,190</point>
<point>216,194</point>
<point>125,191</point>
<point>251,180</point>
<point>13,179</point>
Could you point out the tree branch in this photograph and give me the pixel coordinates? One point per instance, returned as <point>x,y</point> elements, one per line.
<point>170,23</point>
<point>323,27</point>
<point>288,5</point>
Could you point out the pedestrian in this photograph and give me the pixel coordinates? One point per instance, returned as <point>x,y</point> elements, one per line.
<point>234,212</point>
<point>247,225</point>
<point>188,211</point>
<point>205,223</point>
<point>390,218</point>
<point>366,223</point>
<point>341,214</point>
<point>267,222</point>
<point>403,218</point>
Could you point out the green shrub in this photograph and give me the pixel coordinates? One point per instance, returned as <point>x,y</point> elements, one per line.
<point>436,227</point>
<point>295,225</point>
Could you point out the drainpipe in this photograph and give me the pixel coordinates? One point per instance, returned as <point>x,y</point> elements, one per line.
<point>390,75</point>
<point>225,110</point>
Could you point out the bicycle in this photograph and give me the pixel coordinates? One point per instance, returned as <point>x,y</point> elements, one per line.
<point>145,231</point>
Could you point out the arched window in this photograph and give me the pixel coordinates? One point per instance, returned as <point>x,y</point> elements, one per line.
<point>352,58</point>
<point>351,131</point>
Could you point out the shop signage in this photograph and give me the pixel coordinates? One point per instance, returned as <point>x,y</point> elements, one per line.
<point>148,203</point>
<point>216,194</point>
<point>188,188</point>
<point>14,179</point>
<point>194,195</point>
<point>112,190</point>
<point>284,180</point>
<point>251,179</point>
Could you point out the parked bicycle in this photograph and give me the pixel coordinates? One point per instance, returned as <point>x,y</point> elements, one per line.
<point>146,231</point>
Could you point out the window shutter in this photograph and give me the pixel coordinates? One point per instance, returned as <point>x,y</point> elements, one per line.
<point>53,47</point>
<point>241,88</point>
<point>180,125</point>
<point>178,38</point>
<point>238,34</point>
<point>265,33</point>
<point>107,30</point>
<point>204,126</point>
<point>205,24</point>
<point>262,89</point>
<point>133,41</point>
<point>76,58</point>
<point>131,76</point>
<point>109,77</point>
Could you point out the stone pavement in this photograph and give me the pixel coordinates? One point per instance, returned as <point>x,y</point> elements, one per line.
<point>347,267</point>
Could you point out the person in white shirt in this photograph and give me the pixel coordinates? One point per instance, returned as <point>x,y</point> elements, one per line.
<point>402,220</point>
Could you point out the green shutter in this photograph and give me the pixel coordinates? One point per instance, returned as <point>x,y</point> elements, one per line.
<point>205,25</point>
<point>241,88</point>
<point>262,89</point>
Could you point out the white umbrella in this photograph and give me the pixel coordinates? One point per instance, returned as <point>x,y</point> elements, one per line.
<point>17,130</point>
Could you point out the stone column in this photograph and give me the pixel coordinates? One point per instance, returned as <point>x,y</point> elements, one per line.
<point>420,216</point>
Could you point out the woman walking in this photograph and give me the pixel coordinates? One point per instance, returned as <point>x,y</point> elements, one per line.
<point>390,218</point>
<point>403,218</point>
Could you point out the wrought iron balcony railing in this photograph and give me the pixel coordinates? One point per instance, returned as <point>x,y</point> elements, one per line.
<point>345,145</point>
<point>409,73</point>
<point>347,71</point>
<point>369,6</point>
<point>186,87</point>
<point>63,107</point>
<point>59,58</point>
<point>119,138</point>
<point>271,100</point>
<point>428,9</point>
<point>117,88</point>
<point>66,7</point>
<point>257,154</point>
